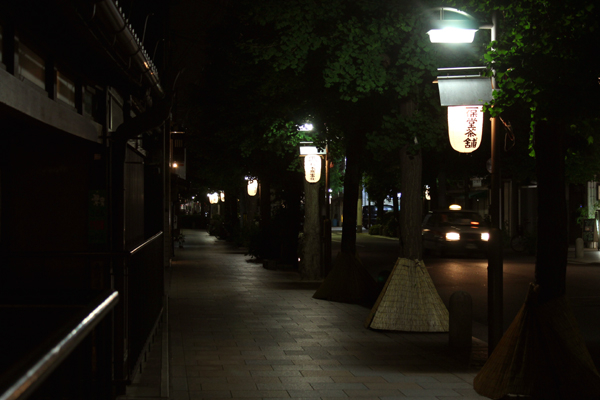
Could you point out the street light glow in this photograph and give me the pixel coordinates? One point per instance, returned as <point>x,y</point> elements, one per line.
<point>452,35</point>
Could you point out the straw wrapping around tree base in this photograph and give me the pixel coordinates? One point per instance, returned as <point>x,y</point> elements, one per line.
<point>542,354</point>
<point>348,282</point>
<point>409,301</point>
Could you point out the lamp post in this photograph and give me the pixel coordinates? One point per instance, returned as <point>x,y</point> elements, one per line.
<point>455,26</point>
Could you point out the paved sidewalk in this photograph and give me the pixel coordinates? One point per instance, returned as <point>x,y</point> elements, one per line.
<point>238,330</point>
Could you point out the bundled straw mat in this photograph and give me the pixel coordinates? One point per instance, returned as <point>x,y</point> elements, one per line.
<point>409,301</point>
<point>542,354</point>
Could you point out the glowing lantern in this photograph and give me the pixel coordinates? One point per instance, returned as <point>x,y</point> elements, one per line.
<point>223,197</point>
<point>252,187</point>
<point>312,168</point>
<point>213,198</point>
<point>465,124</point>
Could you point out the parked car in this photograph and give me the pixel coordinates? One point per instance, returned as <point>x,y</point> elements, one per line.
<point>369,214</point>
<point>456,232</point>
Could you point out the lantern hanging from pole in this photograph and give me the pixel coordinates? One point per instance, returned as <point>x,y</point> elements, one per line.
<point>312,168</point>
<point>465,124</point>
<point>213,198</point>
<point>252,187</point>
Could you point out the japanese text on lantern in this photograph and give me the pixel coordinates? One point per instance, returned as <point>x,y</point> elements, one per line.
<point>464,127</point>
<point>471,134</point>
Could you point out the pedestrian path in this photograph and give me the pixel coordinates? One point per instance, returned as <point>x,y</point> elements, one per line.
<point>238,330</point>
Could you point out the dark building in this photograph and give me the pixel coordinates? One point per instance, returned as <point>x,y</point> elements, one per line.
<point>84,193</point>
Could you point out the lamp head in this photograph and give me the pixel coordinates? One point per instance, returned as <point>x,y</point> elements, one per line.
<point>453,26</point>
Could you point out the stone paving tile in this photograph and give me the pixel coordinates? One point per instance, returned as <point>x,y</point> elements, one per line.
<point>208,395</point>
<point>285,386</point>
<point>469,393</point>
<point>306,379</point>
<point>372,393</point>
<point>282,373</point>
<point>394,386</point>
<point>265,394</point>
<point>317,394</point>
<point>358,379</point>
<point>430,392</point>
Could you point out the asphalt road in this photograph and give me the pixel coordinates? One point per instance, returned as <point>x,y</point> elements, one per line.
<point>470,274</point>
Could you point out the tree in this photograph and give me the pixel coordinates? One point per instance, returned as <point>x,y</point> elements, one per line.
<point>546,63</point>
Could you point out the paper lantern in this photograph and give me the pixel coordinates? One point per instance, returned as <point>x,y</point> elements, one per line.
<point>252,187</point>
<point>465,124</point>
<point>213,198</point>
<point>312,168</point>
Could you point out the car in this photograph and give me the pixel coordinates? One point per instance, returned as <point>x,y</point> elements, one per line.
<point>369,214</point>
<point>455,231</point>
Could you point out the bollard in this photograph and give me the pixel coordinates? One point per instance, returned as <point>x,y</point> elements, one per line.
<point>579,248</point>
<point>461,319</point>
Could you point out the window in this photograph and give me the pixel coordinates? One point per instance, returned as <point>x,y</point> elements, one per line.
<point>90,103</point>
<point>31,66</point>
<point>65,89</point>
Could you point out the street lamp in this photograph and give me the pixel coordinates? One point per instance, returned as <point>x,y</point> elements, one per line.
<point>312,161</point>
<point>454,26</point>
<point>451,20</point>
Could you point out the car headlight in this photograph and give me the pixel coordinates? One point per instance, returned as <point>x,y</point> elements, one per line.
<point>452,236</point>
<point>485,236</point>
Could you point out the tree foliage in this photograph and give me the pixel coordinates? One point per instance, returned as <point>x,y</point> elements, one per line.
<point>372,54</point>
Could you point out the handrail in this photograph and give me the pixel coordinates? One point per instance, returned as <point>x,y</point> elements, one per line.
<point>146,243</point>
<point>35,375</point>
<point>84,253</point>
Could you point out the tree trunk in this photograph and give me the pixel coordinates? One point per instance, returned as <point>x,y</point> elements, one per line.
<point>396,210</point>
<point>380,211</point>
<point>310,266</point>
<point>265,204</point>
<point>551,260</point>
<point>351,182</point>
<point>349,281</point>
<point>543,354</point>
<point>411,206</point>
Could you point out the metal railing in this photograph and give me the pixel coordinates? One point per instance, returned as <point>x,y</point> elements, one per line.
<point>138,277</point>
<point>41,368</point>
<point>145,295</point>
